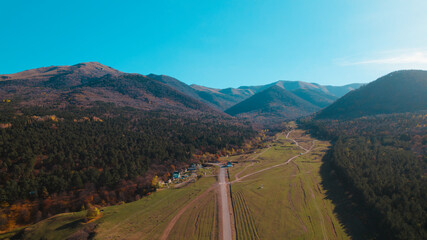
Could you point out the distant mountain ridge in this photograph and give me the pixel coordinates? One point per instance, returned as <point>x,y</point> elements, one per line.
<point>337,91</point>
<point>272,105</point>
<point>222,98</point>
<point>396,92</point>
<point>317,98</point>
<point>84,84</point>
<point>225,98</point>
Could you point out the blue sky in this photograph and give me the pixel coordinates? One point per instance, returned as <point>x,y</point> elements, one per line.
<point>220,43</point>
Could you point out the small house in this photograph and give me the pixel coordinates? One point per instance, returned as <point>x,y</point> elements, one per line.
<point>192,167</point>
<point>176,175</point>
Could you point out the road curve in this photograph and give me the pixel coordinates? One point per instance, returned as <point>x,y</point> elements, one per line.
<point>225,210</point>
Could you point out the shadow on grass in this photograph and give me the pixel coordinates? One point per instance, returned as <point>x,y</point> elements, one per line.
<point>353,217</point>
<point>71,225</point>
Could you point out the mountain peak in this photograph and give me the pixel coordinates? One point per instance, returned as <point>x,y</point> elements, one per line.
<point>87,69</point>
<point>95,68</point>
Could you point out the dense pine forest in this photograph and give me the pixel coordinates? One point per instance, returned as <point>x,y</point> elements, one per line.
<point>60,160</point>
<point>382,162</point>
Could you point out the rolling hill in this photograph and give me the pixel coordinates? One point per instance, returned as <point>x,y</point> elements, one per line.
<point>397,92</point>
<point>340,91</point>
<point>176,84</point>
<point>337,91</point>
<point>314,97</point>
<point>272,104</point>
<point>222,98</point>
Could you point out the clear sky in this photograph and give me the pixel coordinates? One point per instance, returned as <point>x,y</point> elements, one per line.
<point>220,43</point>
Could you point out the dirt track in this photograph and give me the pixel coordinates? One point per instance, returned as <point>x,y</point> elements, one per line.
<point>175,219</point>
<point>277,165</point>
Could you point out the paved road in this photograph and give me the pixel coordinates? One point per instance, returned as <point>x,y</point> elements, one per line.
<point>225,210</point>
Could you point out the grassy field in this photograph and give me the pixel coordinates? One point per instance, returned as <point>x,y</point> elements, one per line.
<point>263,158</point>
<point>143,219</point>
<point>285,202</point>
<point>56,227</point>
<point>198,222</point>
<point>244,219</point>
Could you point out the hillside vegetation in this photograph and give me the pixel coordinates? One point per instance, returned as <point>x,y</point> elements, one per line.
<point>397,92</point>
<point>143,219</point>
<point>272,105</point>
<point>53,161</point>
<point>317,98</point>
<point>382,163</point>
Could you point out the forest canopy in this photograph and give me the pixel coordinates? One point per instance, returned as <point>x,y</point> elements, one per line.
<point>74,153</point>
<point>382,161</point>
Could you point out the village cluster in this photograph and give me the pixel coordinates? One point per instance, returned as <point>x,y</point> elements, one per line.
<point>188,175</point>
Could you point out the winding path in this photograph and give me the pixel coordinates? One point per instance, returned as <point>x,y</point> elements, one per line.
<point>280,164</point>
<point>175,219</point>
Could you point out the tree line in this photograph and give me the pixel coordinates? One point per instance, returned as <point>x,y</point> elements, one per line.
<point>381,160</point>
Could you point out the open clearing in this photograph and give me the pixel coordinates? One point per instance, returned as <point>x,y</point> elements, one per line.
<point>148,217</point>
<point>200,221</point>
<point>143,219</point>
<point>273,199</point>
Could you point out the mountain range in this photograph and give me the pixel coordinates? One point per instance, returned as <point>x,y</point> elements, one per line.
<point>226,98</point>
<point>86,135</point>
<point>86,84</point>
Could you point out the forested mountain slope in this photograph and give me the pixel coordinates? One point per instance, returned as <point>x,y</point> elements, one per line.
<point>314,97</point>
<point>381,162</point>
<point>337,91</point>
<point>401,91</point>
<point>222,98</point>
<point>314,93</point>
<point>274,104</point>
<point>72,136</point>
<point>87,83</point>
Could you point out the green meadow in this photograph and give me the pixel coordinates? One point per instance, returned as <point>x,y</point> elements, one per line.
<point>142,219</point>
<point>285,202</point>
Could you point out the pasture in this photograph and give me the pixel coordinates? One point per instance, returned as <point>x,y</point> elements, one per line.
<point>287,201</point>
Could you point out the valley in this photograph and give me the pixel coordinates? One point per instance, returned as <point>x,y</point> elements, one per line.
<point>213,120</point>
<point>276,193</point>
<point>90,152</point>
